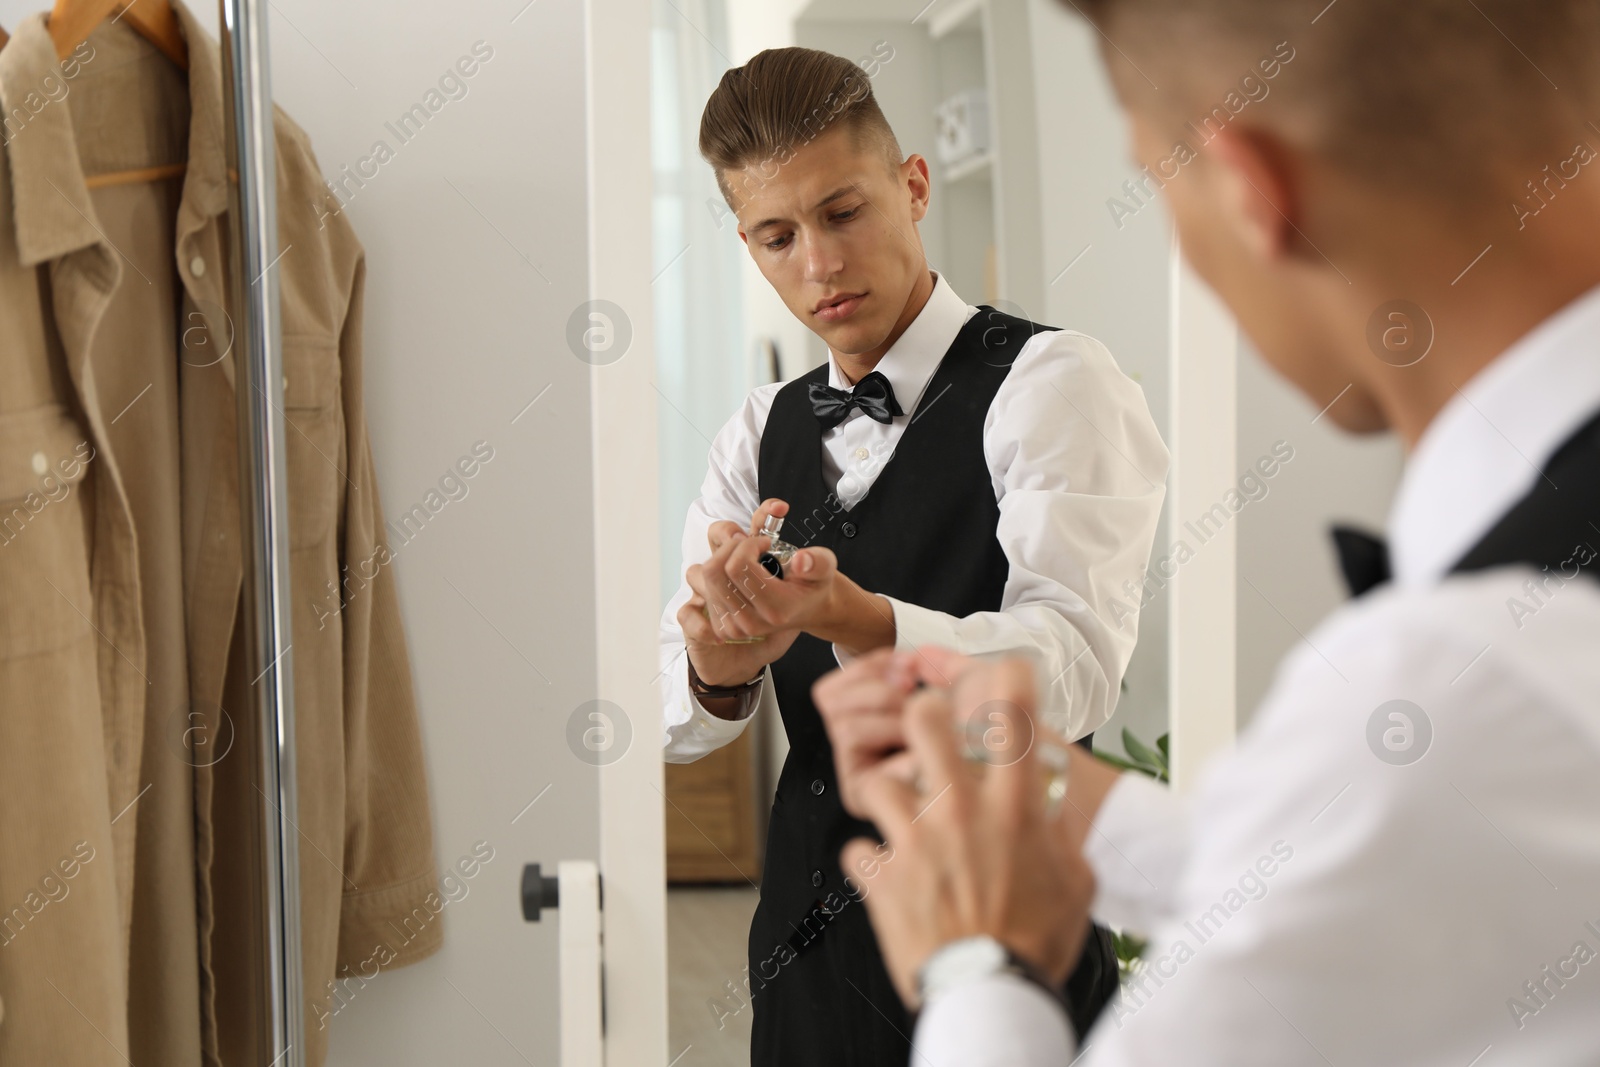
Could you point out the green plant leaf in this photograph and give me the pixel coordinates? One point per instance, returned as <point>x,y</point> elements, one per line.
<point>1141,752</point>
<point>1125,765</point>
<point>1129,950</point>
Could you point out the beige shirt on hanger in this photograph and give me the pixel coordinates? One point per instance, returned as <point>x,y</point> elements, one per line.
<point>128,785</point>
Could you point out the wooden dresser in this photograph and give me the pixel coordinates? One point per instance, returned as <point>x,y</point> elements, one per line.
<point>716,815</point>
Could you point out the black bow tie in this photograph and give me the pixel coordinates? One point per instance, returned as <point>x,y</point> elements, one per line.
<point>1363,558</point>
<point>873,394</point>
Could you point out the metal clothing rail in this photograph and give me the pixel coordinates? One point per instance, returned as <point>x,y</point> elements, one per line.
<point>263,504</point>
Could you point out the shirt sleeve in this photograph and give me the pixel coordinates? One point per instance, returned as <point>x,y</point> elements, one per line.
<point>1079,471</point>
<point>388,848</point>
<point>998,1021</point>
<point>1372,840</point>
<point>1137,848</point>
<point>730,493</point>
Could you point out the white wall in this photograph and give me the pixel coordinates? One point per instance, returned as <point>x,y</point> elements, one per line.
<point>1116,292</point>
<point>1288,574</point>
<point>1287,577</point>
<point>477,255</point>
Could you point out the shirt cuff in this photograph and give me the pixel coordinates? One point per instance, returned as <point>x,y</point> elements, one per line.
<point>1000,1020</point>
<point>694,732</point>
<point>723,730</point>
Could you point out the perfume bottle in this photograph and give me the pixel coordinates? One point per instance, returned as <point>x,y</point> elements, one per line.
<point>777,554</point>
<point>780,551</point>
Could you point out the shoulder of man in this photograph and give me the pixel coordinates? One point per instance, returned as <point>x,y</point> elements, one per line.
<point>1480,652</point>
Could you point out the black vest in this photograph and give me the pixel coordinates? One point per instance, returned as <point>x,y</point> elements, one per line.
<point>924,533</point>
<point>1556,525</point>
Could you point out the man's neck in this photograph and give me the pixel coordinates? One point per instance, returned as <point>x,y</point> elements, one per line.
<point>1471,338</point>
<point>1517,282</point>
<point>854,366</point>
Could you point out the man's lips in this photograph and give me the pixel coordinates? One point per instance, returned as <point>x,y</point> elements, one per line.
<point>840,308</point>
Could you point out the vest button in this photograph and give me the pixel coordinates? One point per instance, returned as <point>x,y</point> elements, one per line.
<point>816,879</point>
<point>848,529</point>
<point>817,786</point>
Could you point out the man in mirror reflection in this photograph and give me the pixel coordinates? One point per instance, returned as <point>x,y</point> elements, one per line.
<point>952,475</point>
<point>1399,860</point>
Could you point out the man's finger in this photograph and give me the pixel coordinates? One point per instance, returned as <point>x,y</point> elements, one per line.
<point>719,533</point>
<point>1006,690</point>
<point>860,854</point>
<point>718,590</point>
<point>696,627</point>
<point>888,801</point>
<point>867,665</point>
<point>938,665</point>
<point>856,740</point>
<point>861,747</point>
<point>736,625</point>
<point>812,565</point>
<point>901,766</point>
<point>931,737</point>
<point>861,693</point>
<point>744,567</point>
<point>770,506</point>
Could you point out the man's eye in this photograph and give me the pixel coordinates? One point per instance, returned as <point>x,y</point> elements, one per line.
<point>777,244</point>
<point>845,216</point>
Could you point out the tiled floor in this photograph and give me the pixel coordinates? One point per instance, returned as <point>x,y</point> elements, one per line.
<point>706,930</point>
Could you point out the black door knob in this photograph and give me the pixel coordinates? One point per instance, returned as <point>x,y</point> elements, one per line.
<point>539,891</point>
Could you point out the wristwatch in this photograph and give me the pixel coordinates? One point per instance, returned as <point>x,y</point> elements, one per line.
<point>704,689</point>
<point>973,958</point>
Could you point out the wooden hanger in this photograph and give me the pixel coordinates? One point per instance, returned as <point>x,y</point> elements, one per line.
<point>71,22</point>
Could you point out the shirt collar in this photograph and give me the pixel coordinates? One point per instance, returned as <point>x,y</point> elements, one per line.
<point>52,211</point>
<point>1489,444</point>
<point>911,360</point>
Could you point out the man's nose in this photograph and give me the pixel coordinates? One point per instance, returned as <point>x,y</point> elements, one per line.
<point>823,257</point>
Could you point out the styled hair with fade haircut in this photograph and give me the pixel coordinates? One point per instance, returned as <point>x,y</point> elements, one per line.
<point>1454,98</point>
<point>764,112</point>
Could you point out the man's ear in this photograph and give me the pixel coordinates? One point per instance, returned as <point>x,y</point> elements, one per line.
<point>920,186</point>
<point>1256,188</point>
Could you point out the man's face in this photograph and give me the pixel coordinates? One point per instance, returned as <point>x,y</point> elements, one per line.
<point>836,226</point>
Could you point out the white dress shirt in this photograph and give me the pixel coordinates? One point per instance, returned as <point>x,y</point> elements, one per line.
<point>1314,903</point>
<point>1079,471</point>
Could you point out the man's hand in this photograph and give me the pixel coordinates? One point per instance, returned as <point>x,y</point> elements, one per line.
<point>746,601</point>
<point>973,852</point>
<point>716,662</point>
<point>862,705</point>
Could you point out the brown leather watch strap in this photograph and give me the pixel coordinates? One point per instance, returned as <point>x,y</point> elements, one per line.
<point>699,687</point>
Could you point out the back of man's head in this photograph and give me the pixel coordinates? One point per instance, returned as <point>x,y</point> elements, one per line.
<point>1452,98</point>
<point>1327,161</point>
